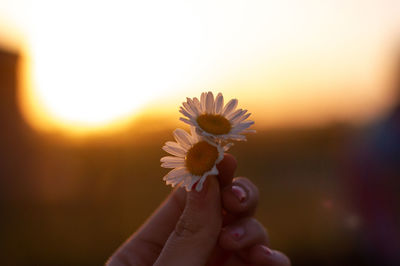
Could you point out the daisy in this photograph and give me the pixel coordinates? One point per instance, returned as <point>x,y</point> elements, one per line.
<point>214,120</point>
<point>194,158</point>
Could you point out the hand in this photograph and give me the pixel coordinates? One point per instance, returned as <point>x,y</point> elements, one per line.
<point>211,227</point>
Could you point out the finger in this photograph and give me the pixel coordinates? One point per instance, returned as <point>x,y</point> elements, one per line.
<point>197,230</point>
<point>258,255</point>
<point>240,198</point>
<point>143,247</point>
<point>226,168</point>
<point>262,255</point>
<point>243,234</point>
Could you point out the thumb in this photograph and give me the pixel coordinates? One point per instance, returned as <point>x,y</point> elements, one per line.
<point>196,232</point>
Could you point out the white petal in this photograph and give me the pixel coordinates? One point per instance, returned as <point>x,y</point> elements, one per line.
<point>185,112</point>
<point>186,181</point>
<point>176,150</point>
<point>203,102</point>
<point>240,119</point>
<point>187,108</point>
<point>197,105</point>
<point>171,159</point>
<point>172,162</point>
<point>183,138</point>
<point>174,173</point>
<point>187,121</point>
<point>189,182</point>
<point>229,107</point>
<point>176,181</point>
<point>246,124</point>
<point>219,103</point>
<point>174,144</point>
<point>210,103</point>
<point>242,126</point>
<point>191,107</point>
<point>235,114</point>
<point>193,180</point>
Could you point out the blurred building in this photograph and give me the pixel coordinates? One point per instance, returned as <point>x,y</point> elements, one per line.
<point>16,149</point>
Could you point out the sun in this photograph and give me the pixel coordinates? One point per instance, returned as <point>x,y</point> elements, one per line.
<point>89,64</point>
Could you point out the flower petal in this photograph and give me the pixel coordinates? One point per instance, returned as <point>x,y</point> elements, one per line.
<point>172,162</point>
<point>219,103</point>
<point>177,180</point>
<point>242,126</point>
<point>187,121</point>
<point>189,182</point>
<point>185,112</point>
<point>239,119</point>
<point>182,137</point>
<point>191,107</point>
<point>174,144</point>
<point>197,105</point>
<point>229,107</point>
<point>203,102</point>
<point>176,150</point>
<point>234,114</point>
<point>193,180</point>
<point>210,103</point>
<point>174,173</point>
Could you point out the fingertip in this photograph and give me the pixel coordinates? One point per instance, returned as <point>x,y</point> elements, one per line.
<point>243,234</point>
<point>262,255</point>
<point>240,197</point>
<point>227,168</point>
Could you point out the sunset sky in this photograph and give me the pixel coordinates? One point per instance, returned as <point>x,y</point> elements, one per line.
<point>88,64</point>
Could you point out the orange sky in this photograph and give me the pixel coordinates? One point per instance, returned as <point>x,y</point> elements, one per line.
<point>90,63</point>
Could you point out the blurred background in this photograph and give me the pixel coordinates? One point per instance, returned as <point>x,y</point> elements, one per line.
<point>90,91</point>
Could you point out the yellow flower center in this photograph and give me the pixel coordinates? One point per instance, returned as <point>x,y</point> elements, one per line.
<point>201,158</point>
<point>214,124</point>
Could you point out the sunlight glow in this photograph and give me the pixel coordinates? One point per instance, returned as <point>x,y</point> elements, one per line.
<point>94,62</point>
<point>90,65</point>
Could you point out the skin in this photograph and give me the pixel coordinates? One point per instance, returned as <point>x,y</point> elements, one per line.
<point>210,227</point>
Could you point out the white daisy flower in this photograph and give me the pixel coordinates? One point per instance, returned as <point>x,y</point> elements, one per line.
<point>194,158</point>
<point>214,120</point>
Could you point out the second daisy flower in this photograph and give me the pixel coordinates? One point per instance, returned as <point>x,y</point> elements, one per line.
<point>214,120</point>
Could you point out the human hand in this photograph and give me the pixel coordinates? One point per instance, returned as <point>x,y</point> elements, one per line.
<point>212,227</point>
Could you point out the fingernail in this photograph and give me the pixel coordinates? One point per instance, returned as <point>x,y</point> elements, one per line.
<point>239,192</point>
<point>267,251</point>
<point>236,232</point>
